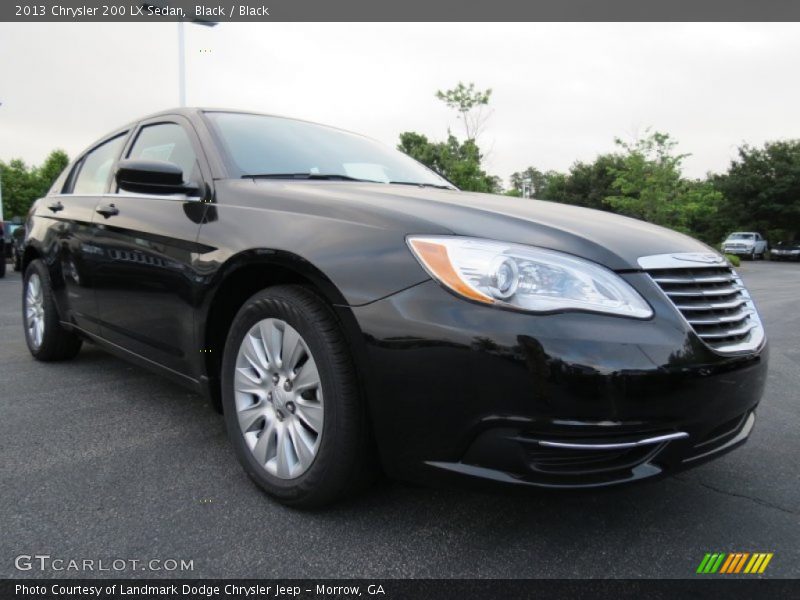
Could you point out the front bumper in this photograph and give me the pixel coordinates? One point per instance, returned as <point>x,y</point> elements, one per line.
<point>784,255</point>
<point>560,400</point>
<point>738,251</point>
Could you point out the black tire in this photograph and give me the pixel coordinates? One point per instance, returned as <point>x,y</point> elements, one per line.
<point>344,461</point>
<point>17,261</point>
<point>57,342</point>
<point>2,265</point>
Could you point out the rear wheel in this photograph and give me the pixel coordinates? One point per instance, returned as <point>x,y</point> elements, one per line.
<point>47,339</point>
<point>291,401</point>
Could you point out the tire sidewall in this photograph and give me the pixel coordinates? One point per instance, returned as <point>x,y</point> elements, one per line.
<point>320,476</point>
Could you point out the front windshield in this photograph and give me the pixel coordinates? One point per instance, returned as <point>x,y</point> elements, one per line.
<point>264,146</point>
<point>740,236</point>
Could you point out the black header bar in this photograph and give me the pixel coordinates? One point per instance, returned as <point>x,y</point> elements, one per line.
<point>731,588</point>
<point>398,10</point>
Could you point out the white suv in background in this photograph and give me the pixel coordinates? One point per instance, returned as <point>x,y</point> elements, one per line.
<point>745,243</point>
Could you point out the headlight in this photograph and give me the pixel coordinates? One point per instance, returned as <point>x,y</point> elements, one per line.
<point>525,277</point>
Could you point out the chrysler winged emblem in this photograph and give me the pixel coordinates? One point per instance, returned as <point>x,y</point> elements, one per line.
<point>707,258</point>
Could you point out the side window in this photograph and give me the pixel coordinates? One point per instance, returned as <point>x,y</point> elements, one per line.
<point>95,168</point>
<point>69,184</point>
<point>166,142</point>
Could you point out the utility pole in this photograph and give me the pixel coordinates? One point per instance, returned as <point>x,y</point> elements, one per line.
<point>1,195</point>
<point>527,187</point>
<point>182,57</point>
<point>181,48</point>
<point>181,66</point>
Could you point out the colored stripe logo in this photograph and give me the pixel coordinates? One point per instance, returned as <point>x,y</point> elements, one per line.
<point>734,562</point>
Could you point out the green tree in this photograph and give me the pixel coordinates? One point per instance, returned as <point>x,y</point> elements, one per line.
<point>648,180</point>
<point>23,184</point>
<point>762,190</point>
<point>648,185</point>
<point>460,162</point>
<point>586,184</point>
<point>537,178</point>
<point>52,167</point>
<point>589,184</point>
<point>471,105</point>
<point>702,211</point>
<point>19,188</point>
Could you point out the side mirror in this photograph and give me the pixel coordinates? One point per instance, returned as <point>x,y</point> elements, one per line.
<point>153,177</point>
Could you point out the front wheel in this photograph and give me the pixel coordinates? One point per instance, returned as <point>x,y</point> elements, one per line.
<point>290,398</point>
<point>47,339</point>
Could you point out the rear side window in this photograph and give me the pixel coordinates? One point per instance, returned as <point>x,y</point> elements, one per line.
<point>96,167</point>
<point>167,142</point>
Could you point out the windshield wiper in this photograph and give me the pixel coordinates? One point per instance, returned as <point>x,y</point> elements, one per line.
<point>340,177</point>
<point>323,176</point>
<point>420,184</point>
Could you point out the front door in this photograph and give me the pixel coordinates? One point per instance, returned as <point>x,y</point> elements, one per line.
<point>145,288</point>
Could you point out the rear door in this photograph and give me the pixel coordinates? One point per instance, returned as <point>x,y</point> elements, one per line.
<point>145,287</point>
<point>68,245</point>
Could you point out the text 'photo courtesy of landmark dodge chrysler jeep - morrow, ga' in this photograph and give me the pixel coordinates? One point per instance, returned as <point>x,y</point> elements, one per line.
<point>349,311</point>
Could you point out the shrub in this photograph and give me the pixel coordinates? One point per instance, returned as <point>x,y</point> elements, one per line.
<point>734,260</point>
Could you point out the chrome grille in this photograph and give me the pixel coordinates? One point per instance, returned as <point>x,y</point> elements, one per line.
<point>712,299</point>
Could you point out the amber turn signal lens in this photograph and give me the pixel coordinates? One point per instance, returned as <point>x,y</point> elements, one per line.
<point>434,257</point>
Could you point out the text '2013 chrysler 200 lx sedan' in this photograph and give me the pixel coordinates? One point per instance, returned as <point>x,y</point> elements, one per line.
<point>348,309</point>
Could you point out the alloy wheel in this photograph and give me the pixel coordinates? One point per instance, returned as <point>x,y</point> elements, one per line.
<point>34,310</point>
<point>279,401</point>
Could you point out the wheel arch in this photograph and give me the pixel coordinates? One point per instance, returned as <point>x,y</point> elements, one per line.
<point>30,254</point>
<point>248,272</point>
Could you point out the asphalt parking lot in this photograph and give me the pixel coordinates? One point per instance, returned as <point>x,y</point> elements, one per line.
<point>100,459</point>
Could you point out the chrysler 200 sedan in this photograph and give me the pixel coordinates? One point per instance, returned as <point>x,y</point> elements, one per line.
<point>349,310</point>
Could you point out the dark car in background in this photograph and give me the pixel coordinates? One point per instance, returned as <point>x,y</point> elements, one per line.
<point>14,241</point>
<point>349,309</point>
<point>17,247</point>
<point>3,249</point>
<point>786,251</point>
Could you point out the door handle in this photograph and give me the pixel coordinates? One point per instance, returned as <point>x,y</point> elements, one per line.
<point>108,210</point>
<point>55,206</point>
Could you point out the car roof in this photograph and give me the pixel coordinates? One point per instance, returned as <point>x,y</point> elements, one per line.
<point>190,111</point>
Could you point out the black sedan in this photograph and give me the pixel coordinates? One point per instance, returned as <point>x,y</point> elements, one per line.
<point>349,309</point>
<point>786,251</point>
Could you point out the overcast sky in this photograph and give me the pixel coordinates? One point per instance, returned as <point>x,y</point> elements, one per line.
<point>562,92</point>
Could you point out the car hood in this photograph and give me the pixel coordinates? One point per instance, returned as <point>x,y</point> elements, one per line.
<point>612,240</point>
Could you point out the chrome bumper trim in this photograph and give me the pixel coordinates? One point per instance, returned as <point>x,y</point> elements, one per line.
<point>659,439</point>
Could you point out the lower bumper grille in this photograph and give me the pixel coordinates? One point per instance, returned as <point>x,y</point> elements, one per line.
<point>555,461</point>
<point>594,455</point>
